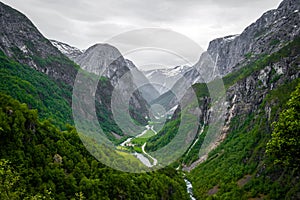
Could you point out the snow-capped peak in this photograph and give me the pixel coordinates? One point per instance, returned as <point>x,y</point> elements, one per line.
<point>69,51</point>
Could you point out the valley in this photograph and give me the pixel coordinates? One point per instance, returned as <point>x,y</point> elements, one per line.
<point>92,124</point>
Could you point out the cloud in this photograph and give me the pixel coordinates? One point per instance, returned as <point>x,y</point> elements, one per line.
<point>83,23</point>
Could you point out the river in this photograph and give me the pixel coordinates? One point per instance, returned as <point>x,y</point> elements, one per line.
<point>189,188</point>
<point>146,162</point>
<point>140,156</point>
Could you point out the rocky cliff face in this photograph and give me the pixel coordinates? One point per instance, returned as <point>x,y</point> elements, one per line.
<point>104,60</point>
<point>246,96</point>
<point>268,34</point>
<point>107,61</point>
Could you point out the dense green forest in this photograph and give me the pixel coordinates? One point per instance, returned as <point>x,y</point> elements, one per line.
<point>38,161</point>
<point>51,98</point>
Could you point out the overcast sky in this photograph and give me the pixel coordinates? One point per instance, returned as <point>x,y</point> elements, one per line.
<point>82,23</point>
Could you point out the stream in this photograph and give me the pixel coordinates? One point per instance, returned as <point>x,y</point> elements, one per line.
<point>146,162</point>
<point>140,156</point>
<point>189,188</point>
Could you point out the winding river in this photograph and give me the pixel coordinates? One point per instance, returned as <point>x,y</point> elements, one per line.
<point>146,162</point>
<point>140,156</point>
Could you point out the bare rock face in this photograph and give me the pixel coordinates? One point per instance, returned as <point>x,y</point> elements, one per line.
<point>267,35</point>
<point>57,159</point>
<point>107,61</point>
<point>104,60</point>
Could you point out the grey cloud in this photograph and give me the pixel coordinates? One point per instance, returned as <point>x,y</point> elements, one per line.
<point>83,23</point>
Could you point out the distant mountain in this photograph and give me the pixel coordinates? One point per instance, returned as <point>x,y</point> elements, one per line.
<point>107,61</point>
<point>70,51</point>
<point>148,91</point>
<point>164,79</point>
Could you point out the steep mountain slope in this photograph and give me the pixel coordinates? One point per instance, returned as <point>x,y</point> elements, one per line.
<point>265,36</point>
<point>103,59</point>
<point>237,166</point>
<point>147,90</point>
<point>107,61</point>
<point>22,42</point>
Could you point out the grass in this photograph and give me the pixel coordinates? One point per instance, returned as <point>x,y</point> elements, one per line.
<point>149,133</point>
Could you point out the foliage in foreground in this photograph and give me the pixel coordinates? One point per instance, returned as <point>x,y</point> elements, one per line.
<point>48,163</point>
<point>285,142</point>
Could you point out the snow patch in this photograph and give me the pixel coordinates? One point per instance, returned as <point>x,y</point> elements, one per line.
<point>24,49</point>
<point>64,48</point>
<point>230,38</point>
<point>278,69</point>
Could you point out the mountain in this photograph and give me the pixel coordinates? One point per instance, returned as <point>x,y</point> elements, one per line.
<point>48,74</point>
<point>21,40</point>
<point>272,31</point>
<point>164,79</point>
<point>70,51</point>
<point>238,161</point>
<point>260,88</point>
<point>265,36</point>
<point>103,59</point>
<point>148,91</point>
<point>107,61</point>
